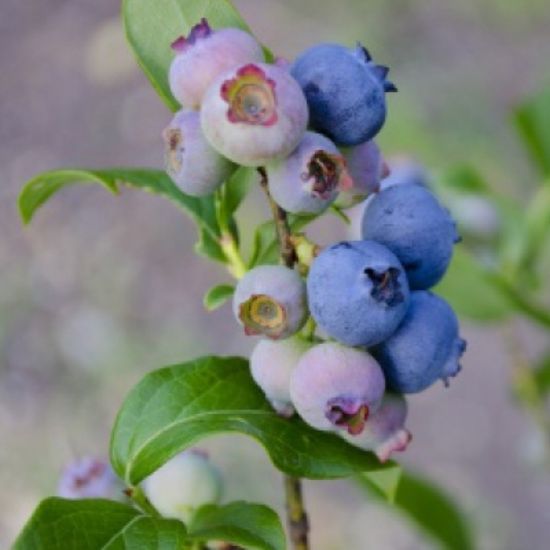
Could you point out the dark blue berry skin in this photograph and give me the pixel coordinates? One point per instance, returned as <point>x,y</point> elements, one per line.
<point>357,292</point>
<point>345,91</point>
<point>425,348</point>
<point>409,220</point>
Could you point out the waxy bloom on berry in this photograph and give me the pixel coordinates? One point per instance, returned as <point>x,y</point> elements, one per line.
<point>254,114</point>
<point>309,180</point>
<point>334,387</point>
<point>425,348</point>
<point>270,300</point>
<point>194,166</point>
<point>357,292</point>
<point>203,55</point>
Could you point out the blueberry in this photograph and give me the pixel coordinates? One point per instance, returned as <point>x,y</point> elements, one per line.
<point>254,114</point>
<point>357,292</point>
<point>89,477</point>
<point>334,387</point>
<point>310,178</point>
<point>345,91</point>
<point>366,168</point>
<point>426,347</point>
<point>409,220</point>
<point>183,484</point>
<point>203,55</point>
<point>271,365</point>
<point>194,166</point>
<point>385,431</point>
<point>270,300</point>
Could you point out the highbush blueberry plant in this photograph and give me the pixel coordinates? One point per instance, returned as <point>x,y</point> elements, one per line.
<point>337,328</point>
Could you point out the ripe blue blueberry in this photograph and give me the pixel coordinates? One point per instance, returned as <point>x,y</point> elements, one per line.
<point>385,431</point>
<point>310,178</point>
<point>89,477</point>
<point>426,347</point>
<point>357,292</point>
<point>194,166</point>
<point>271,365</point>
<point>254,114</point>
<point>345,91</point>
<point>366,167</point>
<point>203,55</point>
<point>334,387</point>
<point>183,484</point>
<point>270,300</point>
<point>409,220</point>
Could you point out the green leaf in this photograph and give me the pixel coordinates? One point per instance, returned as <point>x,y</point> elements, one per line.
<point>384,482</point>
<point>39,189</point>
<point>470,289</point>
<point>464,179</point>
<point>94,524</point>
<point>430,509</point>
<point>533,123</point>
<point>253,526</point>
<point>541,375</point>
<point>175,407</point>
<point>217,296</point>
<point>152,26</point>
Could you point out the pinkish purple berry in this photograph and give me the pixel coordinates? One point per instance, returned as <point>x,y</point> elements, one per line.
<point>271,364</point>
<point>254,114</point>
<point>194,166</point>
<point>203,55</point>
<point>366,167</point>
<point>385,431</point>
<point>334,387</point>
<point>309,180</point>
<point>270,300</point>
<point>89,477</point>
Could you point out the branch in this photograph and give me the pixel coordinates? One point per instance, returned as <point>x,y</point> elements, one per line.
<point>297,521</point>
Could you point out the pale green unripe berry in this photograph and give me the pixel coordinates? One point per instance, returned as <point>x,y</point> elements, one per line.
<point>183,484</point>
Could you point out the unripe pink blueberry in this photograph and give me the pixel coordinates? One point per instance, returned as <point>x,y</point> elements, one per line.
<point>89,477</point>
<point>186,482</point>
<point>385,431</point>
<point>270,300</point>
<point>367,168</point>
<point>203,55</point>
<point>192,163</point>
<point>334,387</point>
<point>254,114</point>
<point>310,178</point>
<point>271,365</point>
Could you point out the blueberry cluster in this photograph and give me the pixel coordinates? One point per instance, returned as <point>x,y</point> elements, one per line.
<point>310,125</point>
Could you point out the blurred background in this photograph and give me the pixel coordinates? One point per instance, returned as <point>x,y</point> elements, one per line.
<point>99,290</point>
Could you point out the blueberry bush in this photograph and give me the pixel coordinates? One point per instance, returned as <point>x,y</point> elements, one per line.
<point>345,332</point>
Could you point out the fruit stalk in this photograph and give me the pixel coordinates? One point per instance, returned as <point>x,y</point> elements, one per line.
<point>297,521</point>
